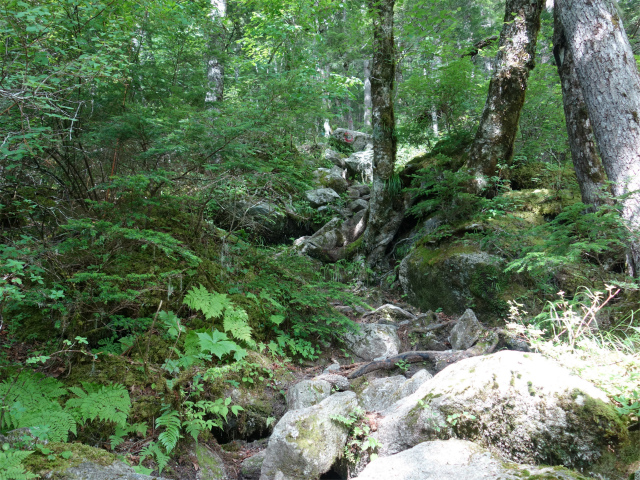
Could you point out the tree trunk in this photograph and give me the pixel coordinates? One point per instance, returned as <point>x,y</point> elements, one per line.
<point>496,133</point>
<point>610,84</point>
<point>215,69</point>
<point>589,170</point>
<point>387,204</point>
<point>367,93</point>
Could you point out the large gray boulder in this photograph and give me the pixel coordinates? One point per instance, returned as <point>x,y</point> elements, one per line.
<point>459,460</point>
<point>334,178</point>
<point>94,471</point>
<point>352,139</point>
<point>305,443</point>
<point>250,467</point>
<point>528,407</point>
<point>307,393</point>
<point>334,157</point>
<point>210,463</point>
<point>321,196</point>
<point>373,341</point>
<point>466,332</point>
<point>384,392</point>
<point>360,165</point>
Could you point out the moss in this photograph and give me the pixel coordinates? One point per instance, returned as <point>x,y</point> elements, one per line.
<point>40,464</point>
<point>209,462</point>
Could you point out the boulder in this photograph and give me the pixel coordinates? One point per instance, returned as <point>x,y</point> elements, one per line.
<point>459,460</point>
<point>307,393</point>
<point>354,227</point>
<point>360,165</point>
<point>362,189</point>
<point>333,178</point>
<point>528,407</point>
<point>95,471</point>
<point>211,466</point>
<point>334,157</point>
<point>326,243</point>
<point>358,205</point>
<point>455,279</point>
<point>384,392</point>
<point>351,139</point>
<point>338,382</point>
<point>373,341</point>
<point>251,466</point>
<point>321,196</point>
<point>305,443</point>
<point>389,313</point>
<point>466,332</point>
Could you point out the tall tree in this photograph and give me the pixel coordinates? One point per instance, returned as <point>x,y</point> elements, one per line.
<point>610,83</point>
<point>386,208</point>
<point>588,166</point>
<point>496,133</point>
<point>367,93</point>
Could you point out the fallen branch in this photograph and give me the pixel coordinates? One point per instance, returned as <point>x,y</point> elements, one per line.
<point>440,359</point>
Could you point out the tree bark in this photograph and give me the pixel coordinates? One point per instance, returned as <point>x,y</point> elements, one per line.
<point>215,69</point>
<point>610,84</point>
<point>367,93</point>
<point>496,133</point>
<point>590,173</point>
<point>386,207</point>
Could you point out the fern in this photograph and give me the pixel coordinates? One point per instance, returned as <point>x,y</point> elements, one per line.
<point>153,450</point>
<point>236,323</point>
<point>32,401</point>
<point>108,403</point>
<point>170,420</point>
<point>11,466</point>
<point>212,305</point>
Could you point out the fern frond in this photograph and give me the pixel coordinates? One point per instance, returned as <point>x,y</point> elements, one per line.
<point>54,425</point>
<point>212,305</point>
<point>236,321</point>
<point>11,466</point>
<point>108,403</point>
<point>170,420</point>
<point>153,450</point>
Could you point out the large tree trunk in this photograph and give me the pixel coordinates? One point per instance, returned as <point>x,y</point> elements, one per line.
<point>590,173</point>
<point>215,69</point>
<point>386,208</point>
<point>516,58</point>
<point>610,84</point>
<point>367,93</point>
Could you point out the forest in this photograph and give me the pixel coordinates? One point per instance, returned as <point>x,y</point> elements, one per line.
<point>319,239</point>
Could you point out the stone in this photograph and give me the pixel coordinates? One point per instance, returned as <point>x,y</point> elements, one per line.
<point>334,157</point>
<point>353,193</point>
<point>210,463</point>
<point>358,205</point>
<point>360,165</point>
<point>307,393</point>
<point>455,279</point>
<point>344,309</point>
<point>321,196</point>
<point>527,407</point>
<point>306,442</point>
<point>251,466</point>
<point>351,139</point>
<point>466,332</point>
<point>333,178</point>
<point>362,189</point>
<point>339,382</point>
<point>327,243</point>
<point>384,392</point>
<point>354,227</point>
<point>373,341</point>
<point>389,313</point>
<point>459,460</point>
<point>93,471</point>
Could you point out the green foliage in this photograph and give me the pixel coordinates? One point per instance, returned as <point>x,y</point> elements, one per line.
<point>107,403</point>
<point>11,465</point>
<point>360,439</point>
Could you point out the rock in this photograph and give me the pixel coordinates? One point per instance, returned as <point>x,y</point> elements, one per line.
<point>337,381</point>
<point>529,408</point>
<point>459,460</point>
<point>358,205</point>
<point>389,313</point>
<point>250,467</point>
<point>334,178</point>
<point>334,367</point>
<point>307,393</point>
<point>354,227</point>
<point>456,278</point>
<point>373,341</point>
<point>305,443</point>
<point>352,139</point>
<point>360,165</point>
<point>321,196</point>
<point>466,331</point>
<point>334,157</point>
<point>384,392</point>
<point>344,309</point>
<point>94,471</point>
<point>362,189</point>
<point>210,463</point>
<point>353,193</point>
<point>326,244</point>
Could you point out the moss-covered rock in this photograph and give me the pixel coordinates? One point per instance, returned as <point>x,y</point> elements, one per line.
<point>455,278</point>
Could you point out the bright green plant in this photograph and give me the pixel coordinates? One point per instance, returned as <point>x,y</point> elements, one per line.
<point>360,439</point>
<point>11,464</point>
